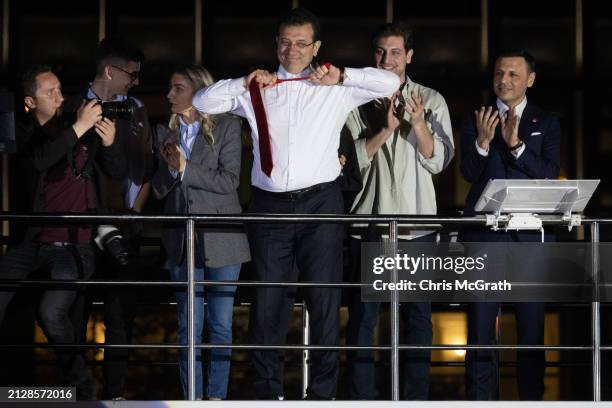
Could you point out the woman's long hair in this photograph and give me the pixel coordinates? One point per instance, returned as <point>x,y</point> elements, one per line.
<point>198,77</point>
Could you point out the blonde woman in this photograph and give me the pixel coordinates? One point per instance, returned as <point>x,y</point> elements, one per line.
<point>199,168</point>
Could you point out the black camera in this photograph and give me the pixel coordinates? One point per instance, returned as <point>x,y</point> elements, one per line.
<point>118,110</point>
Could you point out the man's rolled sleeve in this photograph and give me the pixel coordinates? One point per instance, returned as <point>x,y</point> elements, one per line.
<point>434,164</point>
<point>362,154</point>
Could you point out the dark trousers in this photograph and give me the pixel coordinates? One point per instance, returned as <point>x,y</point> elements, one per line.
<point>62,263</point>
<point>363,317</point>
<point>119,304</point>
<point>119,313</point>
<point>316,250</point>
<point>17,264</point>
<point>480,367</point>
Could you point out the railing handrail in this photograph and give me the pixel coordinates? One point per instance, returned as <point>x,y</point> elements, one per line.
<point>402,346</point>
<point>393,221</point>
<point>548,219</point>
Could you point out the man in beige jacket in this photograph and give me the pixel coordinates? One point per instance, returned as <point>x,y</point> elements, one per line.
<point>400,142</point>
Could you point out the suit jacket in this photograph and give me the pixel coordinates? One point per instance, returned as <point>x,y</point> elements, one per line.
<point>208,186</point>
<point>541,133</point>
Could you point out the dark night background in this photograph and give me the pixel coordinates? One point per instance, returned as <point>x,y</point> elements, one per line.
<point>455,45</point>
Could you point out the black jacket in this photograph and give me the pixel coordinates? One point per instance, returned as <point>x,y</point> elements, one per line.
<point>41,147</point>
<point>350,178</point>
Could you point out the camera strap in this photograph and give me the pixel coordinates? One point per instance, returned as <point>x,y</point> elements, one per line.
<point>87,144</point>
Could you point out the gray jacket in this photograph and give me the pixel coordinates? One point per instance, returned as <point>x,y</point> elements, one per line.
<point>208,186</point>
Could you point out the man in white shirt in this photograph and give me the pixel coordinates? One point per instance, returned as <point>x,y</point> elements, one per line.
<point>400,142</point>
<point>295,149</point>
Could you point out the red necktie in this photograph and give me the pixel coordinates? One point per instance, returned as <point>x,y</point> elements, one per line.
<point>265,147</point>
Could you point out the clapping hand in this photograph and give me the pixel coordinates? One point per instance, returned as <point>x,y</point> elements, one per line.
<point>486,122</point>
<point>394,114</point>
<point>416,108</point>
<point>509,128</point>
<point>170,153</point>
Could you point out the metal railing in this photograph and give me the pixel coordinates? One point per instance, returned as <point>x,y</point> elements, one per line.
<point>190,221</point>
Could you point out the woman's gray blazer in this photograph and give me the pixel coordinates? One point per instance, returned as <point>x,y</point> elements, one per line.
<point>208,186</point>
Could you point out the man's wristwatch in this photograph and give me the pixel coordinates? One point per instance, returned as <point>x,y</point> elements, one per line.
<point>341,78</point>
<point>516,146</point>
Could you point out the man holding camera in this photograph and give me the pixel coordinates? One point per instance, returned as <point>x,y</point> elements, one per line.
<point>117,71</point>
<point>60,161</point>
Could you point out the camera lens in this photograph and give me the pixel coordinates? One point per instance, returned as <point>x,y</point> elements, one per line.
<point>118,110</point>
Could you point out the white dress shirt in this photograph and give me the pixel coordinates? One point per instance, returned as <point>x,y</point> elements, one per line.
<point>503,109</point>
<point>304,121</point>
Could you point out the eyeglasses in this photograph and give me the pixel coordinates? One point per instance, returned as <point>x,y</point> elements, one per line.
<point>286,44</point>
<point>133,75</point>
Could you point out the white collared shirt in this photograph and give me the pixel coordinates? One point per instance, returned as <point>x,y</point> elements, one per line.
<point>304,121</point>
<point>503,109</point>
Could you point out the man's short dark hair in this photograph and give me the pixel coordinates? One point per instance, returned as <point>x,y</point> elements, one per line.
<point>300,16</point>
<point>396,29</point>
<point>28,80</point>
<point>116,51</point>
<point>529,59</point>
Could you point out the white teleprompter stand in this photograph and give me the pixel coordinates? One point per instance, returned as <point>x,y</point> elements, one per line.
<point>517,204</point>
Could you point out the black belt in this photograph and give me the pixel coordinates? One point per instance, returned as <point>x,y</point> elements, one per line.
<point>296,194</point>
<point>58,244</point>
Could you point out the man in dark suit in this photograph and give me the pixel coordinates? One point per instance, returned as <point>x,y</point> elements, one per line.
<point>525,145</point>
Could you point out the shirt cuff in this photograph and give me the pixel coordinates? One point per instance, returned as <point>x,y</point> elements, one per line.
<point>480,150</point>
<point>435,163</point>
<point>517,153</point>
<point>362,154</point>
<point>353,76</point>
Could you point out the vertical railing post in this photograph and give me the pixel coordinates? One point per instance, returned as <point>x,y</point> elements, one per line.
<point>305,352</point>
<point>191,307</point>
<point>394,316</point>
<point>595,313</point>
